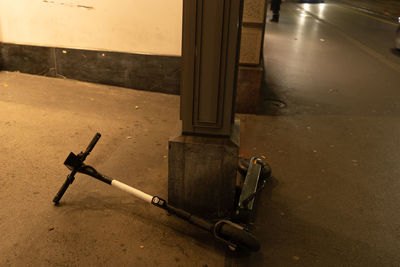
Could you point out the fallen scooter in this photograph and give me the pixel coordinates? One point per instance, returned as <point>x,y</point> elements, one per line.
<point>233,235</point>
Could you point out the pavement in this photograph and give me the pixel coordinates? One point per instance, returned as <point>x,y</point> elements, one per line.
<point>41,121</point>
<point>328,127</point>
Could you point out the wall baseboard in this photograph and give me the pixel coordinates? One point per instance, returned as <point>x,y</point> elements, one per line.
<point>143,72</point>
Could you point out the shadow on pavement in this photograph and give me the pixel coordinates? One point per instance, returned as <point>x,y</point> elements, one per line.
<point>288,240</point>
<point>395,51</point>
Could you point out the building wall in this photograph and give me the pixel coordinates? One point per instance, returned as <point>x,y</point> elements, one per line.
<point>129,43</point>
<point>132,26</point>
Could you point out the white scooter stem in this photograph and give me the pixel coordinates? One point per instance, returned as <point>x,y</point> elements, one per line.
<point>133,191</point>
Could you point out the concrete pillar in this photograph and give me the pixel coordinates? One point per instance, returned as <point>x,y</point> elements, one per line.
<point>251,67</point>
<point>203,153</point>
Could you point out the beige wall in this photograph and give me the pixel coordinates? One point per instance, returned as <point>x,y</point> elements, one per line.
<point>134,26</point>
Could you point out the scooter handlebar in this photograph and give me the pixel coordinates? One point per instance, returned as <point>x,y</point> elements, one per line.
<point>64,187</point>
<point>91,146</point>
<point>78,161</point>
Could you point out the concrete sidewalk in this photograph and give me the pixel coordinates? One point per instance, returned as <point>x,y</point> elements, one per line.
<point>41,121</point>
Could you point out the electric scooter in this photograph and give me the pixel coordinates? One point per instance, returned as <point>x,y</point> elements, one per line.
<point>235,236</point>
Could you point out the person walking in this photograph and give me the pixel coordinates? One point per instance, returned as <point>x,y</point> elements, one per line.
<point>275,7</point>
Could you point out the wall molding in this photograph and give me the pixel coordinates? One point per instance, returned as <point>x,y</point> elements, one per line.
<point>155,73</point>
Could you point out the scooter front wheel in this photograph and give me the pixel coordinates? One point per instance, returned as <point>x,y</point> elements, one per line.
<point>239,237</point>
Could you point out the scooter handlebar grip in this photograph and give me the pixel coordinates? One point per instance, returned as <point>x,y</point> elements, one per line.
<point>62,190</point>
<point>92,144</point>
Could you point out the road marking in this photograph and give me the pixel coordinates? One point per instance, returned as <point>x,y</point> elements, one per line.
<point>357,11</point>
<point>366,49</point>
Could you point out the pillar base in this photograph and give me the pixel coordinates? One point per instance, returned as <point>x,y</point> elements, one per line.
<point>202,173</point>
<point>248,89</point>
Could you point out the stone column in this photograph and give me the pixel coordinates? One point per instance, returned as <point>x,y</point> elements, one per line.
<point>251,56</point>
<point>204,151</point>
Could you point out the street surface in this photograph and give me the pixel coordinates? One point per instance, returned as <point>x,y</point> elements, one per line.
<point>331,133</point>
<point>329,128</point>
<point>390,9</point>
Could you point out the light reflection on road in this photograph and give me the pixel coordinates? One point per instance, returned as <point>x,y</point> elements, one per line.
<point>321,8</point>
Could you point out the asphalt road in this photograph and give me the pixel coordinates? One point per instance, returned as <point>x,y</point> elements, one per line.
<point>323,47</point>
<point>330,130</point>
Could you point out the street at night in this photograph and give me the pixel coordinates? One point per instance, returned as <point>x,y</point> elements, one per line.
<point>164,82</point>
<point>331,132</point>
